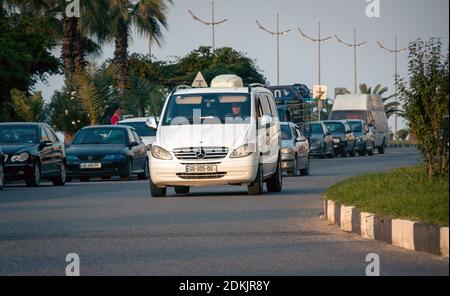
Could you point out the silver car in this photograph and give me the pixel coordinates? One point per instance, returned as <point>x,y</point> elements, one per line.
<point>294,150</point>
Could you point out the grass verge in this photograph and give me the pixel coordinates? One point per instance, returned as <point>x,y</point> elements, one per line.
<point>404,193</point>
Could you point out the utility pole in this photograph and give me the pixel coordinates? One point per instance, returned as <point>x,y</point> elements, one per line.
<point>278,34</point>
<point>354,45</point>
<point>212,23</point>
<point>395,51</point>
<point>319,41</point>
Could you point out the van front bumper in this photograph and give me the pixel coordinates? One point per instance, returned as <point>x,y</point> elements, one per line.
<point>241,171</point>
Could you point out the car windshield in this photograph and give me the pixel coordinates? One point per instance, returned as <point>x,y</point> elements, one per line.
<point>316,129</point>
<point>15,134</point>
<point>356,126</point>
<point>101,136</point>
<point>335,127</point>
<point>141,128</point>
<point>342,115</point>
<point>196,109</point>
<point>286,133</point>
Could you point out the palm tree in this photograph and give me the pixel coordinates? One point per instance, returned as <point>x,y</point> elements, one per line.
<point>391,108</point>
<point>148,16</point>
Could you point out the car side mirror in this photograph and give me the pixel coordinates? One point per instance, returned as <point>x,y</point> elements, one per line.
<point>152,122</point>
<point>266,121</point>
<point>46,144</point>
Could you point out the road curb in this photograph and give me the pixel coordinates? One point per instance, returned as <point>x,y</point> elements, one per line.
<point>410,235</point>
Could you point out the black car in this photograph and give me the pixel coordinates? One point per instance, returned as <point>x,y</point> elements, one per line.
<point>107,151</point>
<point>344,139</point>
<point>320,140</point>
<point>364,137</point>
<point>2,171</point>
<point>33,152</point>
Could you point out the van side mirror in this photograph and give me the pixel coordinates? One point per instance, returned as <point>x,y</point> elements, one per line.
<point>266,121</point>
<point>152,122</point>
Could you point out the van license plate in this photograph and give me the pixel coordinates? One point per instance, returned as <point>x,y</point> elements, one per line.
<point>194,169</point>
<point>90,165</point>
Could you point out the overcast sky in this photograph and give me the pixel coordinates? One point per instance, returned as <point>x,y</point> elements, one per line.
<point>410,19</point>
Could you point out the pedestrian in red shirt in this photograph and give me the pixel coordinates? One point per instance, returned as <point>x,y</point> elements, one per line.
<point>116,117</point>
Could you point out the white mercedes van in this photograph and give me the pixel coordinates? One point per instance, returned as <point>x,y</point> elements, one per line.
<point>224,135</point>
<point>369,108</point>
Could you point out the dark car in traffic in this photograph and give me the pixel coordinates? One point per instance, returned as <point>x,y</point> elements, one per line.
<point>32,152</point>
<point>107,151</point>
<point>364,137</point>
<point>343,137</point>
<point>2,171</point>
<point>321,140</point>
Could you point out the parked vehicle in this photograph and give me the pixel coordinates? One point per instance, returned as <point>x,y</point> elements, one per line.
<point>294,150</point>
<point>107,151</point>
<point>33,152</point>
<point>320,140</point>
<point>369,108</point>
<point>343,137</point>
<point>140,124</point>
<point>364,137</point>
<point>2,171</point>
<point>224,135</point>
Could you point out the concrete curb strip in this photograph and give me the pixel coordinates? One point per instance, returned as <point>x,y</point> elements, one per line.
<point>406,234</point>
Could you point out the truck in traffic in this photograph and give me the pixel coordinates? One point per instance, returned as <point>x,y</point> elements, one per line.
<point>369,108</point>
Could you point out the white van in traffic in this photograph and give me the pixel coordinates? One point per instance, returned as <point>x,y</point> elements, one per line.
<point>369,108</point>
<point>224,135</point>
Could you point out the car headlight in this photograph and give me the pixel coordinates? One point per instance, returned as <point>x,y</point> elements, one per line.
<point>287,151</point>
<point>243,151</point>
<point>20,157</point>
<point>160,153</point>
<point>72,158</point>
<point>114,157</point>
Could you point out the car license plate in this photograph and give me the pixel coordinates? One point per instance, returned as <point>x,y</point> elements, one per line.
<point>90,165</point>
<point>193,169</point>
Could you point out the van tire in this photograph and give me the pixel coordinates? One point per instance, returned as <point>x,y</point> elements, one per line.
<point>256,187</point>
<point>156,191</point>
<point>275,182</point>
<point>381,149</point>
<point>182,189</point>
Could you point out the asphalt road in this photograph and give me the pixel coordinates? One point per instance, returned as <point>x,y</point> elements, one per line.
<point>118,229</point>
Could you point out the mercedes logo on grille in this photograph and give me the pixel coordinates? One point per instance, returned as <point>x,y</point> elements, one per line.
<point>200,154</point>
<point>91,158</point>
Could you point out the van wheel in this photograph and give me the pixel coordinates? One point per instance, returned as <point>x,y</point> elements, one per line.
<point>256,188</point>
<point>182,189</point>
<point>381,149</point>
<point>275,182</point>
<point>156,191</point>
<point>35,178</point>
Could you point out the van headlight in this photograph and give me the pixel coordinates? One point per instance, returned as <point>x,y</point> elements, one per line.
<point>287,151</point>
<point>160,153</point>
<point>20,157</point>
<point>243,151</point>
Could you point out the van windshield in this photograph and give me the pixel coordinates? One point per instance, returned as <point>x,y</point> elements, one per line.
<point>354,114</point>
<point>215,108</point>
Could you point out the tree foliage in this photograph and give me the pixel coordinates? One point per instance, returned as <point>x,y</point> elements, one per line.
<point>27,108</point>
<point>426,97</point>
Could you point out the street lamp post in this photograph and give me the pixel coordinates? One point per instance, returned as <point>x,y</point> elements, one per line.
<point>395,51</point>
<point>212,23</point>
<point>319,41</point>
<point>354,45</point>
<point>278,34</point>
